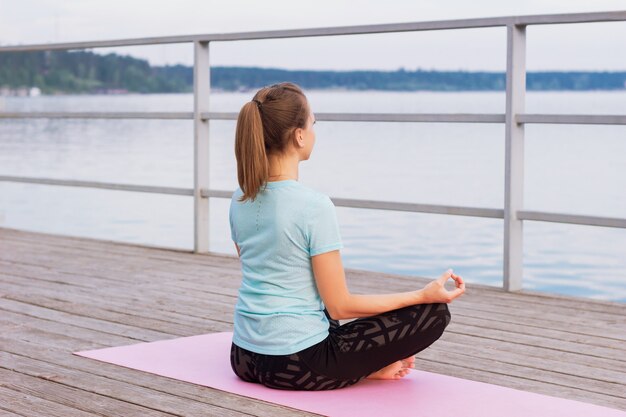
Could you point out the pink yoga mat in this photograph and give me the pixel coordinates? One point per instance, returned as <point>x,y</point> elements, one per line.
<point>205,360</point>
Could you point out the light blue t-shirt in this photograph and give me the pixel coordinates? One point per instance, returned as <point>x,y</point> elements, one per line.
<point>279,310</point>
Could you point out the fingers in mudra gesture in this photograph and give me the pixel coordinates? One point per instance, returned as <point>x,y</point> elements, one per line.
<point>436,292</point>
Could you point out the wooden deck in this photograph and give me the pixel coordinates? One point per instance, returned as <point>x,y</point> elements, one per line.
<point>61,294</point>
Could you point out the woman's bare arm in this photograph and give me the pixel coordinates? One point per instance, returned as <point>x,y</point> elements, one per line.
<point>331,284</point>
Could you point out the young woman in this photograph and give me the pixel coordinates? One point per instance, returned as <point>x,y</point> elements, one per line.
<point>286,329</point>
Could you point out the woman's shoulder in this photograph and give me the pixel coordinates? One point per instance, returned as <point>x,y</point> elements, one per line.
<point>305,194</point>
<point>235,196</point>
<point>313,196</point>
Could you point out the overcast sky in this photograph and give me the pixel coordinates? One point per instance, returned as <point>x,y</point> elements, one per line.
<point>596,46</point>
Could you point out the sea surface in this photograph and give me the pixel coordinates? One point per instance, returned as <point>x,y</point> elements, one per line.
<point>573,169</point>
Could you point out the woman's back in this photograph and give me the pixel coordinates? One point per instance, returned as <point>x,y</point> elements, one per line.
<point>293,292</point>
<point>279,310</point>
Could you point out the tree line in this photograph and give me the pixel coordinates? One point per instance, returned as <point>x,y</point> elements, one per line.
<point>56,72</point>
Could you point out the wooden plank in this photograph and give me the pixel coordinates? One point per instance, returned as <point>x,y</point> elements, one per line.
<point>152,284</point>
<point>88,310</point>
<point>530,369</point>
<point>505,325</point>
<point>45,386</point>
<point>489,329</point>
<point>599,309</point>
<point>614,390</point>
<point>575,349</point>
<point>9,318</point>
<point>610,326</point>
<point>529,350</point>
<point>433,355</point>
<point>93,393</point>
<point>614,328</point>
<point>5,413</point>
<point>519,355</point>
<point>552,335</point>
<point>220,286</point>
<point>105,326</point>
<point>232,265</point>
<point>28,334</point>
<point>506,334</point>
<point>566,373</point>
<point>195,310</point>
<point>551,357</point>
<point>176,300</point>
<point>168,322</point>
<point>122,303</point>
<point>481,326</point>
<point>32,406</point>
<point>515,382</point>
<point>194,392</point>
<point>224,295</point>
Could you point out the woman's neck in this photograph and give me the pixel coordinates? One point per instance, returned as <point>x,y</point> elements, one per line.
<point>282,168</point>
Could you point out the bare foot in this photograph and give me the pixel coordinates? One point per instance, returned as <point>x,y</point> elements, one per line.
<point>409,362</point>
<point>395,370</point>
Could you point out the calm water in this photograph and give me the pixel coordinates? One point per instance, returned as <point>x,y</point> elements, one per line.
<point>568,169</point>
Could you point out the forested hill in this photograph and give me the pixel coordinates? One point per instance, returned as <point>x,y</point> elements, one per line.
<point>86,72</point>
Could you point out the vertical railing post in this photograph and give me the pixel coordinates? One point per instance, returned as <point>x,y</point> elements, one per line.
<point>201,90</point>
<point>514,157</point>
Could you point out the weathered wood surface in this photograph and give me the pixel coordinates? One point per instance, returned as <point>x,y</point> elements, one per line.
<point>61,294</point>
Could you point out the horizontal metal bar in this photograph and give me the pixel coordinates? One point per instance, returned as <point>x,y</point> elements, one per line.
<point>97,115</point>
<point>483,22</point>
<point>584,119</point>
<point>571,218</point>
<point>345,202</point>
<point>206,193</point>
<point>220,115</point>
<point>385,117</point>
<point>420,208</point>
<point>271,34</point>
<point>104,185</point>
<point>334,117</point>
<point>606,119</point>
<point>396,206</point>
<point>561,18</point>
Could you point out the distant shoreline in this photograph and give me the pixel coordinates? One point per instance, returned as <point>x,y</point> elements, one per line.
<point>63,72</point>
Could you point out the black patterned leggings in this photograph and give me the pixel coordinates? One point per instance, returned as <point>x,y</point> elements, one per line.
<point>351,351</point>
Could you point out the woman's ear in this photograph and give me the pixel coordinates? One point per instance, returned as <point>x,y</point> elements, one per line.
<point>297,138</point>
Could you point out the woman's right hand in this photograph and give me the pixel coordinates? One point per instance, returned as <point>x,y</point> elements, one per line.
<point>435,291</point>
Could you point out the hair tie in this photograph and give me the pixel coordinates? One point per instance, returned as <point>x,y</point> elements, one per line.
<point>258,103</point>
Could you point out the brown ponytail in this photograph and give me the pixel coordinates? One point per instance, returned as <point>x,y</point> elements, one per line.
<point>266,129</point>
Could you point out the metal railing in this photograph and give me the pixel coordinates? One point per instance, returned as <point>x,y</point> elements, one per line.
<point>514,119</point>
